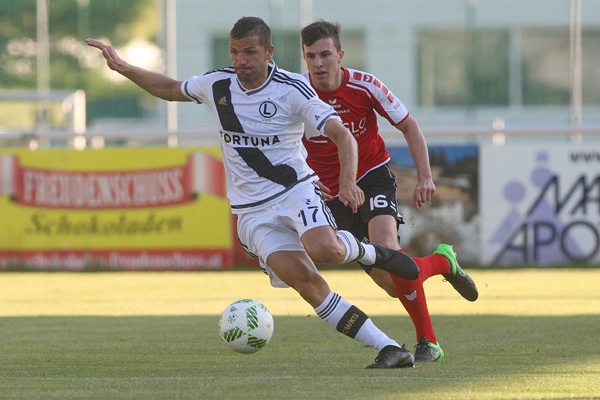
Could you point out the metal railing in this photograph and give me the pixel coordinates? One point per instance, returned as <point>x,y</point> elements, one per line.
<point>160,136</point>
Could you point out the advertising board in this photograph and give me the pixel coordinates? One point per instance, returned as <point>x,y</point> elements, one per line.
<point>540,204</point>
<point>122,208</point>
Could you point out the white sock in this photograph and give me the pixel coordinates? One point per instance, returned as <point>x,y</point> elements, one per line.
<point>369,257</point>
<point>356,251</point>
<point>351,321</point>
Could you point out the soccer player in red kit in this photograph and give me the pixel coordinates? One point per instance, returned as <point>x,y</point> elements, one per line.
<point>357,96</point>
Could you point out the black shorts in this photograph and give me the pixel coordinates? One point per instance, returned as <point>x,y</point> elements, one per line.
<point>380,189</point>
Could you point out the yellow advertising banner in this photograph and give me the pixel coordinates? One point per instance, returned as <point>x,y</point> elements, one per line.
<point>118,208</point>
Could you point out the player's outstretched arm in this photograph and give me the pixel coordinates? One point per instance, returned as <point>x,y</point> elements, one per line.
<point>350,194</point>
<point>156,84</point>
<point>417,146</point>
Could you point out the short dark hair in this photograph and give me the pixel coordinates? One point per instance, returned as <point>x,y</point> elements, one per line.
<point>321,29</point>
<point>252,26</point>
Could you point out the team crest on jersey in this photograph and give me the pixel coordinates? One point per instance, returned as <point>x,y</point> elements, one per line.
<point>267,109</point>
<point>333,103</point>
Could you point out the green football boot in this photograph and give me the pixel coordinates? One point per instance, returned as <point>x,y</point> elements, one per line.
<point>458,278</point>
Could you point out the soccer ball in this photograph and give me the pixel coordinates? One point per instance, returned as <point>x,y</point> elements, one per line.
<point>246,326</point>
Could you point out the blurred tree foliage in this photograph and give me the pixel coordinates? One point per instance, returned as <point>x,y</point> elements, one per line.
<point>73,65</point>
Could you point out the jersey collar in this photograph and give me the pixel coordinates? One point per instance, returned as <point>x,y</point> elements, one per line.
<point>272,71</point>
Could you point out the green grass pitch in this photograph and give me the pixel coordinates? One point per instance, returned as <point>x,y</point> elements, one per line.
<point>533,334</point>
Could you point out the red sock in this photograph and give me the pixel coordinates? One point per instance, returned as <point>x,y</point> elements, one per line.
<point>434,264</point>
<point>412,297</point>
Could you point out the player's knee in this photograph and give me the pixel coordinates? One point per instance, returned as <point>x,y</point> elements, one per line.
<point>320,253</point>
<point>325,251</point>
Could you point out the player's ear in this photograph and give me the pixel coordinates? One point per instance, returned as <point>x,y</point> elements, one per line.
<point>270,51</point>
<point>341,55</point>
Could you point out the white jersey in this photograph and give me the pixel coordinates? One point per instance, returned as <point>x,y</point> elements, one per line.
<point>261,131</point>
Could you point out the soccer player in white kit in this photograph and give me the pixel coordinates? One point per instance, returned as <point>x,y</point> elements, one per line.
<point>261,112</point>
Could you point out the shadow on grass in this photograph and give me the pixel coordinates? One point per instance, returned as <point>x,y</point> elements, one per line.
<point>183,357</point>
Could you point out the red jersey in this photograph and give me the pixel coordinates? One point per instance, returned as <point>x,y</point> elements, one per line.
<point>355,101</point>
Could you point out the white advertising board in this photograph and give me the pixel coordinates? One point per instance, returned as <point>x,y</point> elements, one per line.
<point>539,204</point>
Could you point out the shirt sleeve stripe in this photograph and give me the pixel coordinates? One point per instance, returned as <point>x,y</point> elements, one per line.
<point>327,117</point>
<point>302,86</point>
<point>186,91</point>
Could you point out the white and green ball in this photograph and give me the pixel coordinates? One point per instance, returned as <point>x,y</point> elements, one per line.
<point>246,326</point>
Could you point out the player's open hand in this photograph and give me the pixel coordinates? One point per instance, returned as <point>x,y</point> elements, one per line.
<point>351,196</point>
<point>113,60</point>
<point>423,192</point>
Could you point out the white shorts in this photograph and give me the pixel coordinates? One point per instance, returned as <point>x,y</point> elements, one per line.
<point>279,226</point>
